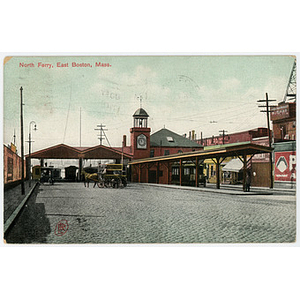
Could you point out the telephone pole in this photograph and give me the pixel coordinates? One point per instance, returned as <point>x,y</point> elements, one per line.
<point>22,145</point>
<point>80,128</point>
<point>223,134</point>
<point>30,141</point>
<point>102,134</point>
<point>267,106</point>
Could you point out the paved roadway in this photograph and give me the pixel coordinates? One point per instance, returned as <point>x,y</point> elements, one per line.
<point>70,213</point>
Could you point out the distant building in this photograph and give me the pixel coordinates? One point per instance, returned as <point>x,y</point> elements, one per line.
<point>283,117</point>
<point>232,174</point>
<point>243,136</point>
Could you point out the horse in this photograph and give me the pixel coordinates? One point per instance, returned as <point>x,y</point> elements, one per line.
<point>94,177</point>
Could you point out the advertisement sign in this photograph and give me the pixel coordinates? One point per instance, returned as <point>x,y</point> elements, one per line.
<point>285,166</point>
<point>280,112</point>
<point>261,157</point>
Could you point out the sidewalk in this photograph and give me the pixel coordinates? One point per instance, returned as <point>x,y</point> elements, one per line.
<point>13,198</point>
<point>228,189</point>
<point>277,190</point>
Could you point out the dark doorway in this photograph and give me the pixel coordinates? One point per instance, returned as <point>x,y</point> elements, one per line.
<point>152,176</point>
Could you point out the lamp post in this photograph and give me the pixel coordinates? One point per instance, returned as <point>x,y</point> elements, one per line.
<point>22,144</point>
<point>30,141</point>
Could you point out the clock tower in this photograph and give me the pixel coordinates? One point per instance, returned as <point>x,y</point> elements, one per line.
<point>140,135</point>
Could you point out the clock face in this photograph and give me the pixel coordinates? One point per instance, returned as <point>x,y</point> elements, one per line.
<point>141,142</point>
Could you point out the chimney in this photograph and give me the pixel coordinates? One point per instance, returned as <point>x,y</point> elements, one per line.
<point>193,135</point>
<point>124,141</point>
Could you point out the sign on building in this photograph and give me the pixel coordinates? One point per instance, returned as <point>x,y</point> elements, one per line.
<point>285,166</point>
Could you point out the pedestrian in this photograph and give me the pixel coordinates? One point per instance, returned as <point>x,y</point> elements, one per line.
<point>248,181</point>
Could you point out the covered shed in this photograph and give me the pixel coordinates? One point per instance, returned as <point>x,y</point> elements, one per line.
<point>243,151</point>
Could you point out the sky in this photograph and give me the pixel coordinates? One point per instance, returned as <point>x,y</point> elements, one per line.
<point>181,93</point>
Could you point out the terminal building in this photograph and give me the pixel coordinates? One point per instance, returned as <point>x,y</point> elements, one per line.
<point>161,143</point>
<point>283,117</point>
<point>169,158</point>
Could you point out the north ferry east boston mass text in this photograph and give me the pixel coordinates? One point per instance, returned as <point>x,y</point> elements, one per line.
<point>63,65</point>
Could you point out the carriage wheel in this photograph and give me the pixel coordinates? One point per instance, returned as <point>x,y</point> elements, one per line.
<point>116,183</point>
<point>100,184</point>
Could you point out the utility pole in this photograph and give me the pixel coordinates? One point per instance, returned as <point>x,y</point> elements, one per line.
<point>14,136</point>
<point>80,129</point>
<point>267,106</point>
<point>102,134</point>
<point>223,134</point>
<point>29,156</point>
<point>22,145</point>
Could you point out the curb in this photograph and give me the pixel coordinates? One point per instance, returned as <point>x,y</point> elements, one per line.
<point>227,192</point>
<point>15,214</point>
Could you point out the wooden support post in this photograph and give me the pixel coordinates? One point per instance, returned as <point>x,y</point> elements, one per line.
<point>244,171</point>
<point>168,172</point>
<point>131,169</point>
<point>157,172</point>
<point>197,172</point>
<point>139,171</point>
<point>147,174</point>
<point>218,172</point>
<point>180,172</point>
<point>80,170</point>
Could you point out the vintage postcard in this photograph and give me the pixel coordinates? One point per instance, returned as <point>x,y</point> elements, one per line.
<point>161,149</point>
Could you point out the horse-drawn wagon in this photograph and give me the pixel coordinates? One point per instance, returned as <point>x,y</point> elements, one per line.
<point>110,175</point>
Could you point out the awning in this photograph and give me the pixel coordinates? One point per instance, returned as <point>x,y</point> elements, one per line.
<point>235,165</point>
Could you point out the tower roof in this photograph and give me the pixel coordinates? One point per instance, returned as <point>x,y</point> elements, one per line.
<point>140,113</point>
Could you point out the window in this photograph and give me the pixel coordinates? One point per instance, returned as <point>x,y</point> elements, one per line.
<point>175,171</point>
<point>166,152</point>
<point>212,171</point>
<point>152,153</point>
<point>170,139</point>
<point>10,168</point>
<point>186,171</point>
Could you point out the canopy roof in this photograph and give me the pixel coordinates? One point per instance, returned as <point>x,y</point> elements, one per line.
<point>221,151</point>
<point>63,151</point>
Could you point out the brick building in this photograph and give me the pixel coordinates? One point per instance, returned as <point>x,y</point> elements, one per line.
<point>160,143</point>
<point>244,136</point>
<point>259,165</point>
<point>12,164</point>
<point>283,117</point>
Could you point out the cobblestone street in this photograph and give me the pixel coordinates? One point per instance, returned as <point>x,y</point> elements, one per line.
<point>147,214</point>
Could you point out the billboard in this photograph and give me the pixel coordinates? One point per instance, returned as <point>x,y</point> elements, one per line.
<point>285,166</point>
